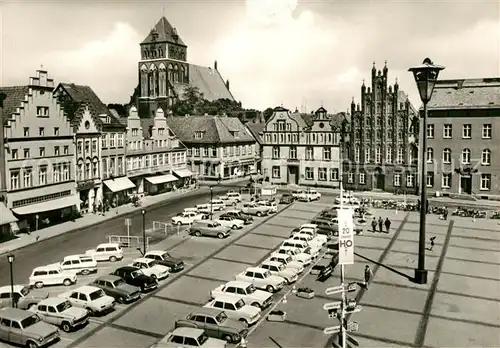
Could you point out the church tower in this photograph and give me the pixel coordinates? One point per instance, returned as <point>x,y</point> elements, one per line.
<point>163,69</point>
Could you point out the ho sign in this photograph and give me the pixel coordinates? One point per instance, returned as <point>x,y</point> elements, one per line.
<point>346,237</point>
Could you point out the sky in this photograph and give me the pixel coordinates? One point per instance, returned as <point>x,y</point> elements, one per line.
<point>296,53</point>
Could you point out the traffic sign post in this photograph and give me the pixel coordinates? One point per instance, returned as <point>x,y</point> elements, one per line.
<point>334,290</point>
<point>332,305</point>
<point>346,237</point>
<point>331,330</point>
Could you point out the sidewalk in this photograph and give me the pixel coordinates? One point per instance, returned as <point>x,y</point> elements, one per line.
<point>92,219</point>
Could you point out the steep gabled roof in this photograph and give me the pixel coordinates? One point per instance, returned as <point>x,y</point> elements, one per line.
<point>166,33</point>
<point>14,97</point>
<point>256,129</point>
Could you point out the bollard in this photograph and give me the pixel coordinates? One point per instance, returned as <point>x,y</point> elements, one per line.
<point>243,343</point>
<point>284,301</point>
<point>294,289</point>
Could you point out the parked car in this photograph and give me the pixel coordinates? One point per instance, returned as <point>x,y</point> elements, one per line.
<point>91,298</point>
<point>253,208</point>
<point>234,195</point>
<point>273,206</point>
<point>217,204</point>
<point>309,196</point>
<point>325,225</point>
<point>82,264</point>
<point>209,228</point>
<point>244,290</point>
<point>116,287</point>
<point>313,242</point>
<point>216,324</point>
<point>238,214</point>
<point>186,218</point>
<point>151,268</point>
<point>329,214</point>
<point>296,254</point>
<point>236,309</point>
<point>191,210</point>
<point>286,198</point>
<point>106,252</point>
<point>165,259</point>
<point>204,208</point>
<point>134,276</point>
<point>230,222</point>
<point>287,261</point>
<point>25,328</point>
<point>228,201</point>
<point>261,279</point>
<point>291,275</point>
<point>296,193</point>
<point>186,337</point>
<point>60,312</point>
<point>312,230</point>
<point>24,296</point>
<point>51,275</point>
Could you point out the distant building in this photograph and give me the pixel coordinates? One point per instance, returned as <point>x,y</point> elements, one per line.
<point>463,128</point>
<point>257,131</point>
<point>218,147</point>
<point>164,73</point>
<point>382,149</point>
<point>302,149</point>
<point>39,154</point>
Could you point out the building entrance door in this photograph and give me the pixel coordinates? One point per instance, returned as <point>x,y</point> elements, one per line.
<point>379,179</point>
<point>293,175</point>
<point>466,184</point>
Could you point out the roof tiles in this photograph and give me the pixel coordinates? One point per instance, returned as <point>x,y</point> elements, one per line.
<point>14,98</point>
<point>166,33</point>
<point>209,82</point>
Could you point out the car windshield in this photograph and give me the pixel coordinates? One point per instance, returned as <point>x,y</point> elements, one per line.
<point>118,283</point>
<point>250,289</point>
<point>25,291</point>
<point>307,250</point>
<point>61,307</point>
<point>267,274</point>
<point>32,320</point>
<point>136,273</point>
<point>281,267</point>
<point>239,304</point>
<point>221,317</point>
<point>96,295</point>
<point>165,255</point>
<point>216,224</point>
<point>202,338</point>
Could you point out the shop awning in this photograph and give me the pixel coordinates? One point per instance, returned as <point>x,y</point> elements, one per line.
<point>161,179</point>
<point>119,184</point>
<point>41,207</point>
<point>6,216</point>
<point>183,173</point>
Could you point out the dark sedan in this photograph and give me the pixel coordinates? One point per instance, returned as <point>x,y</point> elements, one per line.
<point>286,198</point>
<point>116,287</point>
<point>247,219</point>
<point>134,276</point>
<point>165,259</point>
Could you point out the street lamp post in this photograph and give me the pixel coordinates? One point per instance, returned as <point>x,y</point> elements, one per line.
<point>143,212</point>
<point>211,204</point>
<point>425,76</point>
<point>11,259</point>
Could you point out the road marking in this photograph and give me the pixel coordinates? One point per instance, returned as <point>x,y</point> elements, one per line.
<point>96,321</point>
<point>120,306</point>
<point>66,339</point>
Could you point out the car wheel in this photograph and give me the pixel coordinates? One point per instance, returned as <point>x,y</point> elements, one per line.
<point>31,344</point>
<point>178,223</point>
<point>67,282</point>
<point>243,321</point>
<point>235,227</point>
<point>220,236</point>
<point>38,285</point>
<point>120,299</point>
<point>65,326</point>
<point>270,288</point>
<point>154,277</point>
<point>228,338</point>
<point>259,214</point>
<point>197,233</point>
<point>91,311</point>
<point>234,204</point>
<point>256,304</point>
<point>31,305</point>
<point>85,272</point>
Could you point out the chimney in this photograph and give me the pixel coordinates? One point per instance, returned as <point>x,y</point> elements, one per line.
<point>3,169</point>
<point>227,84</point>
<point>215,65</point>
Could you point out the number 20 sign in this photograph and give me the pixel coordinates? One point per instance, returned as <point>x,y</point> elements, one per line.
<point>346,237</point>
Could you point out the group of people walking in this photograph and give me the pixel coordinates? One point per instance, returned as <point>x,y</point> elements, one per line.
<point>380,223</point>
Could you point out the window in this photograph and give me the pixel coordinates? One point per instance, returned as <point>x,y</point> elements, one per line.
<point>466,156</point>
<point>293,152</point>
<point>350,178</point>
<point>27,178</point>
<point>485,182</point>
<point>94,146</point>
<point>87,170</point>
<point>309,153</point>
<point>42,111</point>
<point>486,157</point>
<point>198,135</point>
<point>446,180</point>
<point>42,176</point>
<point>79,147</point>
<point>327,154</point>
<point>378,155</point>
<point>357,154</point>
<point>276,172</point>
<point>15,154</point>
<point>400,158</point>
<point>276,152</point>
<point>430,131</point>
<point>135,131</point>
<point>26,153</point>
<point>42,152</point>
<point>430,179</point>
<point>79,171</point>
<point>26,131</point>
<point>410,180</point>
<point>486,131</point>
<point>87,147</point>
<point>56,171</point>
<point>446,156</point>
<point>66,149</point>
<point>112,137</point>
<point>334,174</point>
<point>397,180</point>
<point>362,178</point>
<point>57,151</point>
<point>66,171</point>
<point>466,131</point>
<point>56,131</point>
<point>104,141</point>
<point>14,180</point>
<point>120,140</point>
<point>196,152</point>
<point>322,174</point>
<point>430,155</point>
<point>389,154</point>
<point>214,152</point>
<point>41,131</point>
<point>309,173</point>
<point>367,154</point>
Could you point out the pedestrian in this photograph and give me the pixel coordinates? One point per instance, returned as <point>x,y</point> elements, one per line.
<point>374,225</point>
<point>445,213</point>
<point>380,224</point>
<point>432,243</point>
<point>427,206</point>
<point>367,276</point>
<point>387,224</point>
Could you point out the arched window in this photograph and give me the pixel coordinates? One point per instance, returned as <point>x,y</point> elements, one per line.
<point>79,170</point>
<point>176,73</point>
<point>446,156</point>
<point>388,154</point>
<point>144,81</point>
<point>183,75</point>
<point>95,168</point>
<point>430,155</point>
<point>152,80</point>
<point>170,72</point>
<point>466,156</point>
<point>486,157</point>
<point>162,80</point>
<point>87,169</point>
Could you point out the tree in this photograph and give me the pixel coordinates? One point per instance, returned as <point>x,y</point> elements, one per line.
<point>268,113</point>
<point>191,103</point>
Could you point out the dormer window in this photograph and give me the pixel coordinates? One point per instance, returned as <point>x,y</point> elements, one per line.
<point>161,131</point>
<point>198,135</point>
<point>235,134</point>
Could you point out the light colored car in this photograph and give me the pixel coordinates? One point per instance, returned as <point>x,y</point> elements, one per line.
<point>311,237</point>
<point>239,215</point>
<point>236,309</point>
<point>230,222</point>
<point>252,208</point>
<point>309,196</point>
<point>106,252</point>
<point>186,218</point>
<point>191,210</point>
<point>244,290</point>
<point>234,195</point>
<point>187,337</point>
<point>287,261</point>
<point>209,228</point>
<point>312,229</point>
<point>291,275</point>
<point>164,258</point>
<point>91,298</point>
<point>203,208</point>
<point>304,247</point>
<point>228,201</point>
<point>309,240</point>
<point>51,275</point>
<point>296,254</point>
<point>25,328</point>
<point>24,296</point>
<point>60,312</point>
<point>261,279</point>
<point>82,264</point>
<point>217,204</point>
<point>151,268</point>
<point>273,206</point>
<point>296,193</point>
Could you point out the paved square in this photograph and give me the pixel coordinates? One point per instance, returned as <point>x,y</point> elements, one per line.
<point>114,337</point>
<point>288,221</point>
<point>268,242</point>
<point>239,253</point>
<point>286,335</point>
<point>298,214</point>
<point>469,286</point>
<point>219,270</point>
<point>272,229</point>
<point>189,289</point>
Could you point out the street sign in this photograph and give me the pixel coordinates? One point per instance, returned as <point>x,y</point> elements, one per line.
<point>331,330</point>
<point>351,303</point>
<point>334,290</point>
<point>346,237</point>
<point>353,310</point>
<point>352,326</point>
<point>332,305</point>
<point>352,287</point>
<point>128,222</point>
